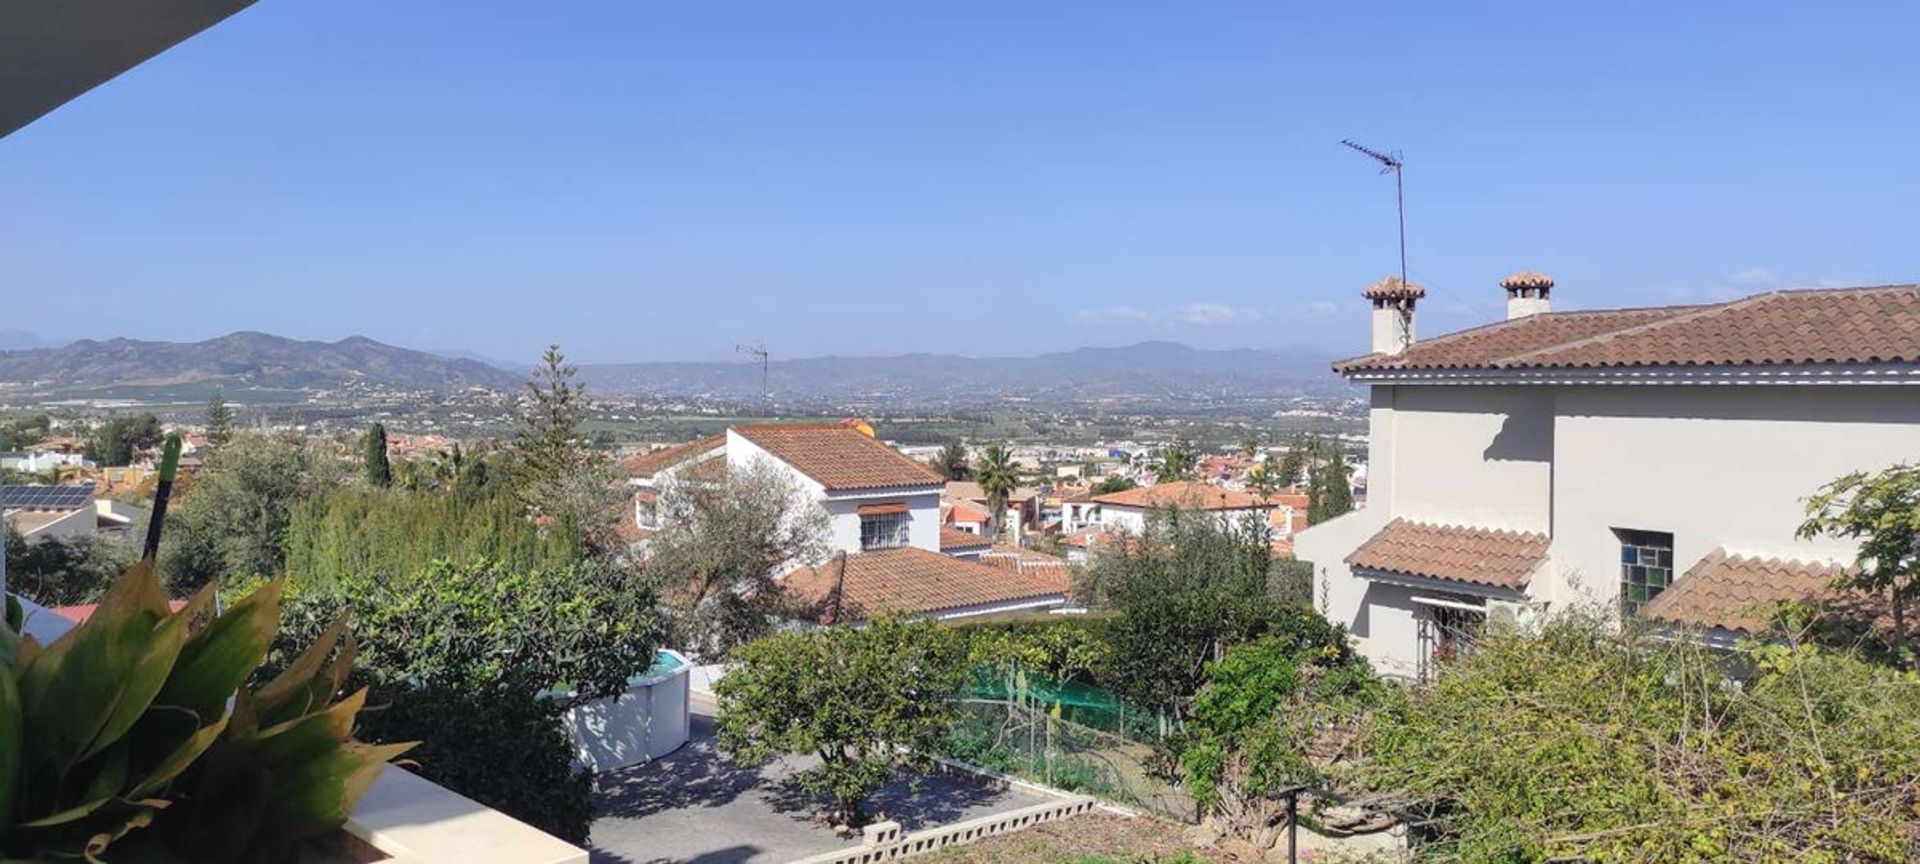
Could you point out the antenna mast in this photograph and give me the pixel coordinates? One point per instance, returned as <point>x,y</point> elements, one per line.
<point>1391,163</point>
<point>759,350</point>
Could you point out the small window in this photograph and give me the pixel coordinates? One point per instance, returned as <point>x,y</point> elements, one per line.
<point>883,532</point>
<point>1646,567</point>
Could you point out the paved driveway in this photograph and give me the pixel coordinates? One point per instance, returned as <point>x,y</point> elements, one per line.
<point>697,806</point>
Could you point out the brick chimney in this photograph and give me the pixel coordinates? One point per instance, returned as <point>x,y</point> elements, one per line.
<point>1527,293</point>
<point>1393,302</point>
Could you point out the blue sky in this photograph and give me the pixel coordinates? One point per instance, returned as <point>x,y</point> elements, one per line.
<point>646,180</point>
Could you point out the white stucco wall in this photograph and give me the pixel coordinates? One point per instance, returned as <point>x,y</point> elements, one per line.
<point>843,533</point>
<point>1713,465</point>
<point>1117,517</point>
<point>1472,455</point>
<point>923,517</point>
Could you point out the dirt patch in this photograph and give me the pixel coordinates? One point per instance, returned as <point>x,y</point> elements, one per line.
<point>1097,836</point>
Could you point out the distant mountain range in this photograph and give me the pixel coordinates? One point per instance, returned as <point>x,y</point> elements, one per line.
<point>1145,370</point>
<point>246,359</point>
<point>1149,371</point>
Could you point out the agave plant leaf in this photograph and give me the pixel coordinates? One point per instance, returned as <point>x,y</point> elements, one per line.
<point>218,659</point>
<point>25,653</point>
<point>71,689</point>
<point>373,760</point>
<point>10,634</point>
<point>71,814</point>
<point>320,791</point>
<point>150,671</point>
<point>180,759</point>
<point>108,770</point>
<point>11,723</point>
<point>290,693</point>
<point>310,734</point>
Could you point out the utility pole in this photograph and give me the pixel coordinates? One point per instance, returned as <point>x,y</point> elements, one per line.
<point>1391,163</point>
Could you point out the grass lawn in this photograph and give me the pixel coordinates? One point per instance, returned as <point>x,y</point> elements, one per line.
<point>1096,838</point>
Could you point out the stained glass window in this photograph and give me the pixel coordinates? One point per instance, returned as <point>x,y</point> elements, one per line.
<point>1646,567</point>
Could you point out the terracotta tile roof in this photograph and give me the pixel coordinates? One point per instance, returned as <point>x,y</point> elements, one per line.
<point>1738,593</point>
<point>1028,562</point>
<point>1186,494</point>
<point>1842,325</point>
<point>954,539</point>
<point>962,511</point>
<point>909,581</point>
<point>644,465</point>
<point>1480,556</point>
<point>839,457</point>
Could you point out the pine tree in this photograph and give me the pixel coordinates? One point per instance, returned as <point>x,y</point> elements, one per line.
<point>548,444</point>
<point>219,419</point>
<point>379,470</point>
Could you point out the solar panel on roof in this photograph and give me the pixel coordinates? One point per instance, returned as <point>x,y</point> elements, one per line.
<point>45,497</point>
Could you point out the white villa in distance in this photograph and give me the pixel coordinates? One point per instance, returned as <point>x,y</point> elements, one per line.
<point>1653,461</point>
<point>890,551</point>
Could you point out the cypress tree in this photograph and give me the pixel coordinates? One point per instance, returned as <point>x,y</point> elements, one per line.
<point>219,419</point>
<point>379,470</point>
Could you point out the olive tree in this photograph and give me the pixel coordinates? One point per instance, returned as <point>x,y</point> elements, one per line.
<point>870,702</point>
<point>719,547</point>
<point>1882,511</point>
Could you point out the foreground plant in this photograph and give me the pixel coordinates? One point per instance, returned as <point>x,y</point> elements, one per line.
<point>119,733</point>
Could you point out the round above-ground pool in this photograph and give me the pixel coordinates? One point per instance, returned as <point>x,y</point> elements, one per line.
<point>645,723</point>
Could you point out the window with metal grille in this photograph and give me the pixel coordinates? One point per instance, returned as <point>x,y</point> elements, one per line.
<point>883,532</point>
<point>1646,567</point>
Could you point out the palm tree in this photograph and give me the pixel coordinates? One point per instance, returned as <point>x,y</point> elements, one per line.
<point>1181,459</point>
<point>998,478</point>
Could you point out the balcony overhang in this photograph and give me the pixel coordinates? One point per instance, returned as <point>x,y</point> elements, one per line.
<point>51,51</point>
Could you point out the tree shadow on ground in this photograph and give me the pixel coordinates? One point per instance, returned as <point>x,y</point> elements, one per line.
<point>934,799</point>
<point>696,775</point>
<point>729,855</point>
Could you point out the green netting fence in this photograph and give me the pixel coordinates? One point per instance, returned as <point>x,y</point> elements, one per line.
<point>1070,735</point>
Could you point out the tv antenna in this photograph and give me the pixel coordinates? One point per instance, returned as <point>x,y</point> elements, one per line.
<point>759,350</point>
<point>1391,163</point>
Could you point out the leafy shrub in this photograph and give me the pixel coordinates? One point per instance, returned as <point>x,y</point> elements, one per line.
<point>464,652</point>
<point>1583,744</point>
<point>63,572</point>
<point>1265,719</point>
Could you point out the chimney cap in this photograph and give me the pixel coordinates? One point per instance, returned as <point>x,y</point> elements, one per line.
<point>1393,288</point>
<point>1527,280</point>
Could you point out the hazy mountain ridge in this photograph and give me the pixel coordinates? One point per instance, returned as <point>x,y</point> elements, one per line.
<point>1150,370</point>
<point>1145,369</point>
<point>246,358</point>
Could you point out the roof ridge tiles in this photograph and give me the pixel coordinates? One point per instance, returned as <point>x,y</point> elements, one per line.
<point>1696,313</point>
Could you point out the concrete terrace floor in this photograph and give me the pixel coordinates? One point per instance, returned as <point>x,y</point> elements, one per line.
<point>695,806</point>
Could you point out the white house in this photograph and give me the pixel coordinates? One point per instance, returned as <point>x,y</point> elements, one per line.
<point>1652,461</point>
<point>874,497</point>
<point>43,461</point>
<point>890,550</point>
<point>1128,511</point>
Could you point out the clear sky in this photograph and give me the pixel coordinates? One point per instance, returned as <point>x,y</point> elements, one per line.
<point>654,180</point>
